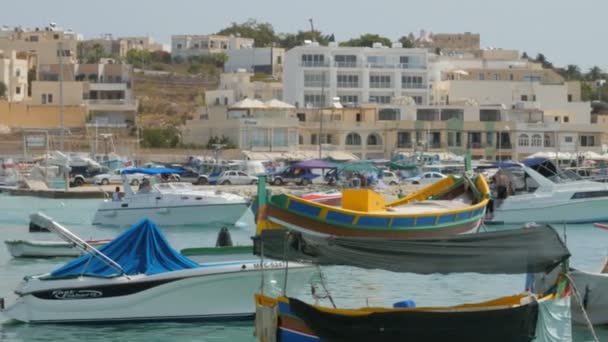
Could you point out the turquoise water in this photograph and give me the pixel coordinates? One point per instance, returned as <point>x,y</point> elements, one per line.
<point>350,287</point>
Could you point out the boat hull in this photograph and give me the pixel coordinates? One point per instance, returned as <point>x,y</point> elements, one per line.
<point>46,249</point>
<point>570,212</point>
<point>189,215</point>
<point>593,291</point>
<point>189,295</point>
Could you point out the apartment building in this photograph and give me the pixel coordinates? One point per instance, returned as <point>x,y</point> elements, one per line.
<point>13,73</point>
<point>267,60</point>
<point>184,46</point>
<point>120,46</point>
<point>106,90</point>
<point>42,42</point>
<point>313,74</point>
<point>236,86</point>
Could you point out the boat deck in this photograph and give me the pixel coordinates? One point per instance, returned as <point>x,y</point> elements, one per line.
<point>429,207</point>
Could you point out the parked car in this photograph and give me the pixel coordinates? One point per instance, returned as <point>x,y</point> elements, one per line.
<point>389,177</point>
<point>115,177</point>
<point>233,177</point>
<point>188,174</point>
<point>300,176</point>
<point>80,175</point>
<point>426,178</point>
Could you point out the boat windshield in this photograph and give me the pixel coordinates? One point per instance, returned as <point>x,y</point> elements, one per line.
<point>555,174</point>
<point>169,187</point>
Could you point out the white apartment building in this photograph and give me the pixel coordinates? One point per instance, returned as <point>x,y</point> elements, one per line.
<point>314,74</point>
<point>13,73</point>
<point>187,45</point>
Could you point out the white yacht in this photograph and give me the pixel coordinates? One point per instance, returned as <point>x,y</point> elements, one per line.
<point>116,284</point>
<point>169,204</point>
<point>543,193</point>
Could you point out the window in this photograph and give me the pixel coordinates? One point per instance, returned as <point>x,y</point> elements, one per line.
<point>348,81</point>
<point>568,139</point>
<point>301,117</point>
<point>569,97</point>
<point>496,77</point>
<point>33,38</point>
<point>556,118</point>
<point>313,60</point>
<point>426,114</point>
<point>489,138</point>
<point>418,99</point>
<point>196,45</point>
<point>511,77</point>
<point>374,139</point>
<point>566,119</point>
<point>18,90</point>
<point>587,140</point>
<point>489,115</point>
<point>523,140</point>
<point>537,141</point>
<point>345,61</point>
<point>532,78</point>
<point>548,142</point>
<point>17,72</point>
<point>404,139</point>
<point>55,36</point>
<point>380,99</point>
<point>313,139</point>
<point>314,100</point>
<point>447,114</point>
<point>179,46</point>
<point>315,80</point>
<point>300,139</point>
<point>412,82</point>
<point>43,98</point>
<point>524,97</point>
<point>388,114</point>
<point>454,139</point>
<point>590,194</point>
<point>279,60</point>
<point>279,137</point>
<point>379,81</point>
<point>404,60</point>
<point>349,99</point>
<point>353,139</point>
<point>49,98</point>
<point>358,117</point>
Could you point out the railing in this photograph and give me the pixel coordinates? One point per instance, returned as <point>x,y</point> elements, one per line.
<point>316,84</point>
<point>314,64</point>
<point>413,85</point>
<point>395,66</point>
<point>346,64</point>
<point>348,84</point>
<point>380,85</point>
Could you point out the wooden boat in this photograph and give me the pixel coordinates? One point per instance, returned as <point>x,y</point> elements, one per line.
<point>454,205</point>
<point>47,249</point>
<point>331,197</point>
<point>511,318</point>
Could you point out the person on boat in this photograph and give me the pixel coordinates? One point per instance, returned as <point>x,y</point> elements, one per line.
<point>145,186</point>
<point>400,194</point>
<point>116,195</point>
<point>490,207</point>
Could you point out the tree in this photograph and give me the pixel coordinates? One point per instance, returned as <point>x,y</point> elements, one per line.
<point>2,89</point>
<point>290,40</point>
<point>524,55</point>
<point>160,137</point>
<point>224,140</point>
<point>540,58</point>
<point>262,33</point>
<point>595,73</point>
<point>160,56</point>
<point>90,53</point>
<point>588,92</point>
<point>572,72</point>
<point>138,58</point>
<point>368,40</point>
<point>406,42</point>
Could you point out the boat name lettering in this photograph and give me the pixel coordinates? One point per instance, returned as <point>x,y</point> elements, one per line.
<point>271,264</point>
<point>250,122</point>
<point>76,294</point>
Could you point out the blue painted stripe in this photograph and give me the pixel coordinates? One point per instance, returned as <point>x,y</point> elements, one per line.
<point>284,308</point>
<point>370,221</point>
<point>304,208</point>
<point>339,217</point>
<point>403,222</point>
<point>463,216</point>
<point>286,335</point>
<point>446,219</point>
<point>425,221</point>
<point>477,212</point>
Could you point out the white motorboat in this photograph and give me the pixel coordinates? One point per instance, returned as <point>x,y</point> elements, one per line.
<point>116,284</point>
<point>543,193</point>
<point>169,204</point>
<point>46,249</point>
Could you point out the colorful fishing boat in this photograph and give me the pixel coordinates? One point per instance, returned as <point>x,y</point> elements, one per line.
<point>454,205</point>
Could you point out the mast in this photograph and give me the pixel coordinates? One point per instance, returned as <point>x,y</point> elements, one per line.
<point>61,141</point>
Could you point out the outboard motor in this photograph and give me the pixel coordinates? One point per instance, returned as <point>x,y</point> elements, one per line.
<point>223,238</point>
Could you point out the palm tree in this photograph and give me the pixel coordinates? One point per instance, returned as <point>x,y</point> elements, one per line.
<point>572,72</point>
<point>595,73</point>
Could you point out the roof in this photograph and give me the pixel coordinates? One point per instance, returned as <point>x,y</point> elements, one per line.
<point>249,103</point>
<point>274,103</point>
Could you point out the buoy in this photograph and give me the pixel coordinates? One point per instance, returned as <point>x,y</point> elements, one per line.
<point>405,304</point>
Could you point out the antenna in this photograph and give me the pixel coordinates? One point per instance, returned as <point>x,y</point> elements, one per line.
<point>312,29</point>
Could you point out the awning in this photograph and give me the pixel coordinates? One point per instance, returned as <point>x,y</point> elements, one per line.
<point>316,164</point>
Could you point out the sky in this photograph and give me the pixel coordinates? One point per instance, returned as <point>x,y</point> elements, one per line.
<point>566,32</point>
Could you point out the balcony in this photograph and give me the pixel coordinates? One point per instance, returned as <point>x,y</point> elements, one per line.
<point>123,105</point>
<point>348,84</point>
<point>395,66</point>
<point>313,64</point>
<point>381,85</point>
<point>413,86</point>
<point>314,84</point>
<point>346,64</point>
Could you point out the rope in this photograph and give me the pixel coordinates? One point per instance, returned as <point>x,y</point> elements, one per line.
<point>262,266</point>
<point>285,243</point>
<point>327,293</point>
<point>580,303</point>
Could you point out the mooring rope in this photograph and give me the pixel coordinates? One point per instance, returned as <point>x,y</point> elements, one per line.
<point>580,303</point>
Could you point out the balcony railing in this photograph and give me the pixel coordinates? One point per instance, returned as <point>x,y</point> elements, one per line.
<point>380,85</point>
<point>348,84</point>
<point>314,84</point>
<point>346,64</point>
<point>413,85</point>
<point>395,66</point>
<point>314,64</point>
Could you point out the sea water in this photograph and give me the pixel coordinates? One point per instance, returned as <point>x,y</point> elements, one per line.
<point>349,286</point>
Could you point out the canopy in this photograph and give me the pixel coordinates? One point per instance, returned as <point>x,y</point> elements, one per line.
<point>532,249</point>
<point>316,164</point>
<point>140,249</point>
<point>358,167</point>
<point>150,170</point>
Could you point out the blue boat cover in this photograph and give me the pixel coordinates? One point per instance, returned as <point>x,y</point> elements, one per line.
<point>140,249</point>
<point>150,170</point>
